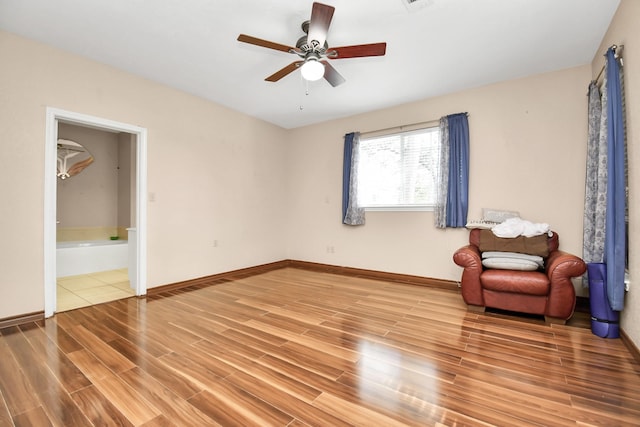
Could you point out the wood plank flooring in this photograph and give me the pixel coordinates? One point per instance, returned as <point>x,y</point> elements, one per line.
<point>297,348</point>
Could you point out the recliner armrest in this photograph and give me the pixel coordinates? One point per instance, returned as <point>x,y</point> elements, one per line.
<point>469,257</point>
<point>560,268</point>
<point>561,264</point>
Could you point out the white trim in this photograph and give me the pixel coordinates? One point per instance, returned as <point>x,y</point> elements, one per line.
<point>53,115</point>
<point>141,212</point>
<point>50,190</point>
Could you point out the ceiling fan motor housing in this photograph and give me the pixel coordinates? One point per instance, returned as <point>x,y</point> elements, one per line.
<point>306,46</point>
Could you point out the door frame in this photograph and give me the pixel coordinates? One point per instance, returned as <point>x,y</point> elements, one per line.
<point>53,117</point>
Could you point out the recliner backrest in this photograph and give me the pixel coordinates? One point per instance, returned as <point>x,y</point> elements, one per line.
<point>552,242</point>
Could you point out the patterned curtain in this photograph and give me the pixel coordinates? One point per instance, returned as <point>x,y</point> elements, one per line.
<point>605,206</point>
<point>452,190</point>
<point>351,213</point>
<point>595,206</point>
<point>440,208</point>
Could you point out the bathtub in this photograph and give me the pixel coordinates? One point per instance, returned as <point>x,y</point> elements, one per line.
<point>90,256</point>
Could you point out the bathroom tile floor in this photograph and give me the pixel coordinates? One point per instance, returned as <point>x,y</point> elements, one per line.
<point>94,288</point>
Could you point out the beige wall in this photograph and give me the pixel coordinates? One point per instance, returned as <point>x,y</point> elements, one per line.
<point>216,174</point>
<point>624,30</point>
<point>90,199</point>
<point>528,151</point>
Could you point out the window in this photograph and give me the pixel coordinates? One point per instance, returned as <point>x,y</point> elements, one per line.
<point>399,171</point>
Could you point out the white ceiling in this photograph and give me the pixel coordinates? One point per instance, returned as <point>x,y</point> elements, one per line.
<point>433,48</point>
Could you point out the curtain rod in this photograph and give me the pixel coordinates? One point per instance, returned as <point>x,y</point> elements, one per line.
<point>401,127</point>
<point>618,55</point>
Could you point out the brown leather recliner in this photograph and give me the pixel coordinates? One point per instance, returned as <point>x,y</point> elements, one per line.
<point>547,292</point>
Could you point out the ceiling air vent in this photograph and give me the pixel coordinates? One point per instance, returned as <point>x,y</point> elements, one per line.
<point>414,5</point>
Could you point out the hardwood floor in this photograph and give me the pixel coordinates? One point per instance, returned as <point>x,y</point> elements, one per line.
<point>294,348</point>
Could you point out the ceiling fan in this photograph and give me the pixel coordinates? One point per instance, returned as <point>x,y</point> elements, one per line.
<point>314,50</point>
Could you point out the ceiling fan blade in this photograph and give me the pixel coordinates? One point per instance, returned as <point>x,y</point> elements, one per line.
<point>357,51</point>
<point>285,71</point>
<point>321,15</point>
<point>264,43</point>
<point>332,75</point>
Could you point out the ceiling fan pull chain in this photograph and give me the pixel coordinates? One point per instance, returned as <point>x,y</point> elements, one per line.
<point>305,88</point>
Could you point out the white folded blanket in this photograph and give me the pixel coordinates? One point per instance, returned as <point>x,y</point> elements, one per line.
<point>514,255</point>
<point>514,227</point>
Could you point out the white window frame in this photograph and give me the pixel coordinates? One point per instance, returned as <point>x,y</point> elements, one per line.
<point>400,207</point>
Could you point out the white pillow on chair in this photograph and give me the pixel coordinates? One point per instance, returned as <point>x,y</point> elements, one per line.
<point>510,264</point>
<point>512,261</point>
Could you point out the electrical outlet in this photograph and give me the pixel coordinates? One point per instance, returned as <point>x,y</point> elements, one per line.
<point>627,280</point>
<point>215,243</point>
<point>331,249</point>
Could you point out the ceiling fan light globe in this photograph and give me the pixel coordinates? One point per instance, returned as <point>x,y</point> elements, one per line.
<point>312,70</point>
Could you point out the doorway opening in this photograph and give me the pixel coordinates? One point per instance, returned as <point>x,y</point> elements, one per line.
<point>61,123</point>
